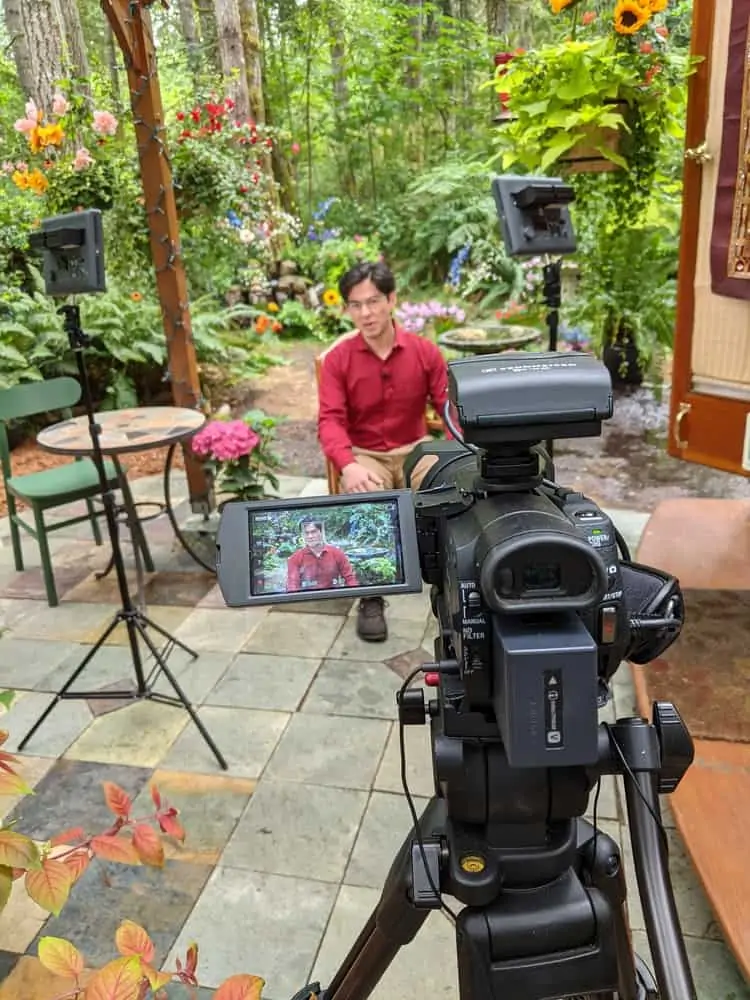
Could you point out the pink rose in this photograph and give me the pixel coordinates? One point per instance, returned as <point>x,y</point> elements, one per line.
<point>60,105</point>
<point>83,160</point>
<point>25,125</point>
<point>295,148</point>
<point>105,123</point>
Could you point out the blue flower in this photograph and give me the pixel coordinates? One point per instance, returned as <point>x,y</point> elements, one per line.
<point>457,263</point>
<point>234,219</point>
<point>323,209</point>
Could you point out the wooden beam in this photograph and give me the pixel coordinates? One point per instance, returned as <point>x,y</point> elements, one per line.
<point>131,24</point>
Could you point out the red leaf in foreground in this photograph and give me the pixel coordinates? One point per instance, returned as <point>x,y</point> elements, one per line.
<point>240,988</point>
<point>118,800</point>
<point>70,837</point>
<point>61,958</point>
<point>171,825</point>
<point>50,886</point>
<point>132,939</point>
<point>147,843</point>
<point>118,849</point>
<point>77,862</point>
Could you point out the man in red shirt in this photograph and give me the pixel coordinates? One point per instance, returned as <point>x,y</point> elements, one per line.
<point>318,565</point>
<point>374,388</point>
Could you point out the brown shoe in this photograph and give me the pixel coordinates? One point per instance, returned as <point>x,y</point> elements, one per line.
<point>371,624</point>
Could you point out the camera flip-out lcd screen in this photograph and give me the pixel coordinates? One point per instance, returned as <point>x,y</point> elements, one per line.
<point>319,547</point>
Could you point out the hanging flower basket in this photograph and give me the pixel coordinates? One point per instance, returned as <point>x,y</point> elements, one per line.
<point>586,156</point>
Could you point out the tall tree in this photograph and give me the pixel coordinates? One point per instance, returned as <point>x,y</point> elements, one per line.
<point>190,35</point>
<point>497,16</point>
<point>19,47</point>
<point>232,54</point>
<point>208,34</point>
<point>250,27</point>
<point>43,31</point>
<point>74,56</point>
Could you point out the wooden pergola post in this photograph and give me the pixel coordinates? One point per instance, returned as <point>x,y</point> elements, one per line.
<point>131,24</point>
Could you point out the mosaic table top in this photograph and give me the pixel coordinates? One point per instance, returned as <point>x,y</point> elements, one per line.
<point>123,431</point>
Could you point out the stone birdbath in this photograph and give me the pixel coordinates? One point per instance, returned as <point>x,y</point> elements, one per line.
<point>490,339</point>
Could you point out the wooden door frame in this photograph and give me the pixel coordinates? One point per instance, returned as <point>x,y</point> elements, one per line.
<point>702,428</point>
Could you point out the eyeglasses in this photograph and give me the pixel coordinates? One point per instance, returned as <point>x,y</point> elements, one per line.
<point>373,303</point>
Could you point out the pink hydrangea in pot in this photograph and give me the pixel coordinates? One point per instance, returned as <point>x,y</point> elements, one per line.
<point>238,455</point>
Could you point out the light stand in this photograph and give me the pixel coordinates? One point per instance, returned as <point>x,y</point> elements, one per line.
<point>535,221</point>
<point>135,621</point>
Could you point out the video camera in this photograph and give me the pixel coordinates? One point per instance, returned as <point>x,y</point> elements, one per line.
<point>535,608</point>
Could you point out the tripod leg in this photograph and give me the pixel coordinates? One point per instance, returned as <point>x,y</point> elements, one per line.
<point>137,624</point>
<point>394,922</point>
<point>655,887</point>
<point>169,637</point>
<point>71,680</point>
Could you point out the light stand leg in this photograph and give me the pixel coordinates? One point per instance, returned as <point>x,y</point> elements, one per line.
<point>135,622</point>
<point>552,299</point>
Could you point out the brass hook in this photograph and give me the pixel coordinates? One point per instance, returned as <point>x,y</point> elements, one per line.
<point>682,411</point>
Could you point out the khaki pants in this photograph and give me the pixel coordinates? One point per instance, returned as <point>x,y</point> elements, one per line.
<point>389,465</point>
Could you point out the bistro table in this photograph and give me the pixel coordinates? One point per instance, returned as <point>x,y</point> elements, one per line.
<point>125,432</point>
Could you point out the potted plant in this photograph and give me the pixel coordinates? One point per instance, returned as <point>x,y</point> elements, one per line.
<point>626,297</point>
<point>601,97</point>
<point>238,455</point>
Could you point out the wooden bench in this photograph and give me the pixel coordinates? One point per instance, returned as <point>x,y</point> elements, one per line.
<point>434,423</point>
<point>706,544</point>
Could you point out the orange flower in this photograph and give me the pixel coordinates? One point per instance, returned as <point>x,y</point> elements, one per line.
<point>277,327</point>
<point>261,324</point>
<point>136,296</point>
<point>588,18</point>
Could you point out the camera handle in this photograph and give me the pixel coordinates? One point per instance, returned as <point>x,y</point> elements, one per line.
<point>565,932</point>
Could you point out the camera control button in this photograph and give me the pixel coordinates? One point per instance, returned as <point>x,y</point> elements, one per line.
<point>608,626</point>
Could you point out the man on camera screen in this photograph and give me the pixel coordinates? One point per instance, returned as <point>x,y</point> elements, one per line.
<point>318,565</point>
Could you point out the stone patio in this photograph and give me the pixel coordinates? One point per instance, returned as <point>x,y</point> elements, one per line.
<point>287,851</point>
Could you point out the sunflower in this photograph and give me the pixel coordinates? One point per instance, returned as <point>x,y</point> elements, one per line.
<point>331,297</point>
<point>630,17</point>
<point>558,5</point>
<point>655,6</point>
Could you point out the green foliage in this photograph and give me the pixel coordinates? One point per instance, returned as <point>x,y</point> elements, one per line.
<point>325,261</point>
<point>32,339</point>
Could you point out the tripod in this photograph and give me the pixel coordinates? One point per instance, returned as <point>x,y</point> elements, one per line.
<point>544,890</point>
<point>134,619</point>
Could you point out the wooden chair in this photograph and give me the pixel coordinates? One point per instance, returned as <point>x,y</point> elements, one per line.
<point>42,491</point>
<point>434,423</point>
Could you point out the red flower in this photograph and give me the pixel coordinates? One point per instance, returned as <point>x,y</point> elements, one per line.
<point>195,114</point>
<point>295,148</point>
<point>186,134</point>
<point>244,189</point>
<point>253,139</point>
<point>646,48</point>
<point>588,18</point>
<point>255,178</point>
<point>269,143</point>
<point>180,116</point>
<point>663,31</point>
<point>230,105</point>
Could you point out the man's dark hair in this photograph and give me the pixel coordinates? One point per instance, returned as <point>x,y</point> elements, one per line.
<point>375,271</point>
<point>310,521</point>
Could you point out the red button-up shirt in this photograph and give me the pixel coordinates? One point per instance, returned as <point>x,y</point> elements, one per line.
<point>319,571</point>
<point>378,405</point>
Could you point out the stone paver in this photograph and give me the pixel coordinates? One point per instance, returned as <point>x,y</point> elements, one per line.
<point>286,852</point>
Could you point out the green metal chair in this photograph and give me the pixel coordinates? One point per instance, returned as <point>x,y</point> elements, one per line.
<point>41,491</point>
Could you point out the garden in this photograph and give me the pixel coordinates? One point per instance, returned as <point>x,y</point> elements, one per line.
<point>274,207</point>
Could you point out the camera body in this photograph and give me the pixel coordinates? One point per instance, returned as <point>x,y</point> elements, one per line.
<point>528,585</point>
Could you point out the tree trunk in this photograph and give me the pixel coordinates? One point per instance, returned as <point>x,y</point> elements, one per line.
<point>232,54</point>
<point>113,57</point>
<point>412,73</point>
<point>250,27</point>
<point>190,35</point>
<point>43,31</point>
<point>21,55</point>
<point>497,16</point>
<point>209,41</point>
<point>76,58</point>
